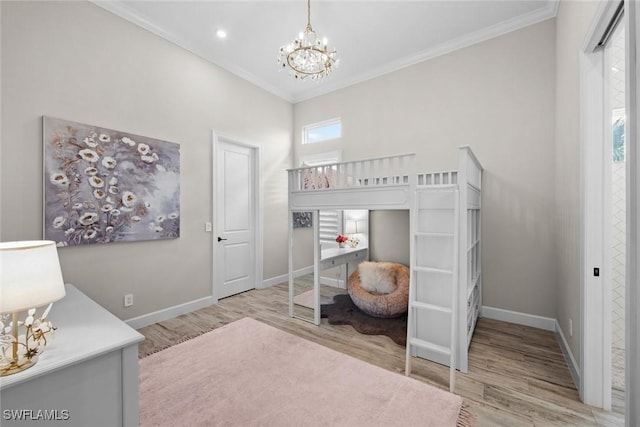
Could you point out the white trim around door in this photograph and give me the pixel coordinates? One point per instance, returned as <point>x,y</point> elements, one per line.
<point>632,138</point>
<point>592,310</point>
<point>258,217</point>
<point>594,383</point>
<point>595,257</point>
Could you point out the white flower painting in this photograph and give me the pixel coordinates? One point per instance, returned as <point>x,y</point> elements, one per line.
<point>104,186</point>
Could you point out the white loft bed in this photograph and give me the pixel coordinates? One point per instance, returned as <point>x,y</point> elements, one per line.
<point>446,284</point>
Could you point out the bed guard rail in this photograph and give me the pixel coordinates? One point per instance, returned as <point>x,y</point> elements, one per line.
<point>438,178</point>
<point>379,171</point>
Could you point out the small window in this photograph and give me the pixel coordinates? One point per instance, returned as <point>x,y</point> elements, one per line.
<point>618,120</point>
<point>323,131</point>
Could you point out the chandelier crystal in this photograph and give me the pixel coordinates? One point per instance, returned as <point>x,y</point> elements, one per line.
<point>308,56</point>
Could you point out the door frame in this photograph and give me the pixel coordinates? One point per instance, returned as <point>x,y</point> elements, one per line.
<point>258,213</point>
<point>595,382</point>
<point>632,137</point>
<point>595,295</point>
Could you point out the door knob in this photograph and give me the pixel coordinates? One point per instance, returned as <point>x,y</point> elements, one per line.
<point>220,239</point>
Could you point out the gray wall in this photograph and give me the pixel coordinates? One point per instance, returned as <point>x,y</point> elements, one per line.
<point>388,232</point>
<point>76,61</point>
<point>497,96</point>
<point>573,21</point>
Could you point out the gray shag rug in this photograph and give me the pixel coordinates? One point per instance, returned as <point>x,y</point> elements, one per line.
<point>344,312</point>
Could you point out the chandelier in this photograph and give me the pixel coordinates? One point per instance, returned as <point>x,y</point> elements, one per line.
<point>308,56</point>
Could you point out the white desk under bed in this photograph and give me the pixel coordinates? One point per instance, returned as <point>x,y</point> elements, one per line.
<point>333,257</point>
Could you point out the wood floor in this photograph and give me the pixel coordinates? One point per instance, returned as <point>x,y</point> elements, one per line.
<point>517,374</point>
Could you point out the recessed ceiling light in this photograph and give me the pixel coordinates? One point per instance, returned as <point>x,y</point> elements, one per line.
<point>222,34</point>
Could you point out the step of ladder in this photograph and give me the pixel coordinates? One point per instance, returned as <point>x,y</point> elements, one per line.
<point>432,270</point>
<point>432,234</point>
<point>425,306</point>
<point>426,345</point>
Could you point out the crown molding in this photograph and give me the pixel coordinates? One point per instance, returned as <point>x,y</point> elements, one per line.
<point>502,28</point>
<point>328,86</point>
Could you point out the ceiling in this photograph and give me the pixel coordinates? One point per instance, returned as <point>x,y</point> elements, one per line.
<point>371,37</point>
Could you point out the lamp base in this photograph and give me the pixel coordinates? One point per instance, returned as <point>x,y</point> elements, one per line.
<point>14,367</point>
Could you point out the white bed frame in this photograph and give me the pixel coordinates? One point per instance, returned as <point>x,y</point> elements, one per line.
<point>445,218</point>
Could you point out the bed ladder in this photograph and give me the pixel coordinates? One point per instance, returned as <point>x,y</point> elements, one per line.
<point>433,289</point>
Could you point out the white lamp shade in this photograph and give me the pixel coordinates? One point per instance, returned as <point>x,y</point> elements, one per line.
<point>30,275</point>
<point>351,227</point>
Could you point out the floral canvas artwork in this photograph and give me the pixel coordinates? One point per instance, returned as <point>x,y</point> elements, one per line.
<point>103,185</point>
<point>302,220</point>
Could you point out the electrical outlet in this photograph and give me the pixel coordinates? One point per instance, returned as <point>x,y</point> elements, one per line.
<point>570,327</point>
<point>128,300</point>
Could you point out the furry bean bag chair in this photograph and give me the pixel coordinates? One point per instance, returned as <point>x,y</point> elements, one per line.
<point>380,289</point>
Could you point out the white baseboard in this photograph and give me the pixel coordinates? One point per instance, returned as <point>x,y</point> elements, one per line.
<point>169,313</point>
<point>568,356</point>
<point>285,277</point>
<point>540,322</point>
<point>177,310</point>
<point>330,281</point>
<point>274,281</point>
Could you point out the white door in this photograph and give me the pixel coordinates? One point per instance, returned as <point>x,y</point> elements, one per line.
<point>235,241</point>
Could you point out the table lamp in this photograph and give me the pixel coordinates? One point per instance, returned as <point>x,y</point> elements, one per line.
<point>30,277</point>
<point>351,226</point>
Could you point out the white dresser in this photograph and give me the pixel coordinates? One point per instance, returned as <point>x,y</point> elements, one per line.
<point>88,376</point>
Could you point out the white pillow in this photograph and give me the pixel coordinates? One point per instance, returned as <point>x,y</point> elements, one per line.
<point>377,277</point>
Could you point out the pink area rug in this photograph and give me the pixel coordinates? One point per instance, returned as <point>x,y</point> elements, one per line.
<point>247,373</point>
